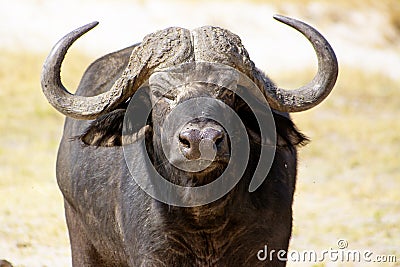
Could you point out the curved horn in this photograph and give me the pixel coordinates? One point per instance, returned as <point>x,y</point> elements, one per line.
<point>158,50</point>
<point>318,89</point>
<point>59,97</point>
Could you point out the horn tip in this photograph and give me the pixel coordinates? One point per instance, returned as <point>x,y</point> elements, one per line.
<point>278,17</point>
<point>93,24</point>
<point>281,18</point>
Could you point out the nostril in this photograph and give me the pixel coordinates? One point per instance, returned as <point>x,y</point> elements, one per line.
<point>219,140</point>
<point>216,135</point>
<point>189,141</point>
<point>184,141</point>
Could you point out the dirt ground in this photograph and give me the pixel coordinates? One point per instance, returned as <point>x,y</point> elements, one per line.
<point>348,189</point>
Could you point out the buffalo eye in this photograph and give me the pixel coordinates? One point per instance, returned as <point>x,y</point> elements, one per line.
<point>164,95</point>
<point>170,97</point>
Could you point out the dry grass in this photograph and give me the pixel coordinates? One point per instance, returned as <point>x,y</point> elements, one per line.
<point>33,231</point>
<point>349,176</point>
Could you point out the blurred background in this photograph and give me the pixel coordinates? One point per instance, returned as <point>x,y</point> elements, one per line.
<point>348,185</point>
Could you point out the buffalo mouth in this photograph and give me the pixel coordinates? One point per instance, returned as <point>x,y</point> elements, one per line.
<point>212,172</point>
<point>203,166</point>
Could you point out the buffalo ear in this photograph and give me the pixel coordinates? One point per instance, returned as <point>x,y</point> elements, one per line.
<point>287,132</point>
<point>106,130</point>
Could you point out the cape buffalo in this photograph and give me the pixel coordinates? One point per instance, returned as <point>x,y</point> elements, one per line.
<point>112,219</point>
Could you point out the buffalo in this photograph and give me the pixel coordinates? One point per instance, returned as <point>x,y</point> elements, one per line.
<point>112,219</point>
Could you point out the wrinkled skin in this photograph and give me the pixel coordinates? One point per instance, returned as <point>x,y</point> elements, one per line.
<point>112,222</point>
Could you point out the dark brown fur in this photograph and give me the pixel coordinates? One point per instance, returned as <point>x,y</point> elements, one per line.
<point>112,222</point>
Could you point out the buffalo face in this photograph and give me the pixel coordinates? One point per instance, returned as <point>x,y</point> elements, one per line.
<point>198,149</point>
